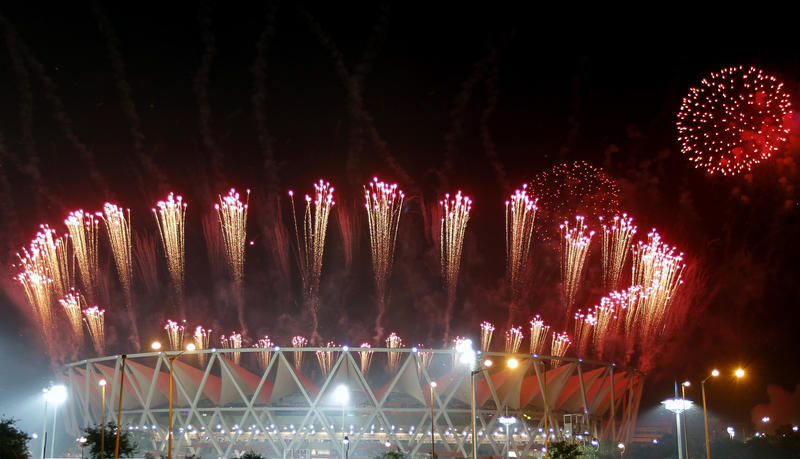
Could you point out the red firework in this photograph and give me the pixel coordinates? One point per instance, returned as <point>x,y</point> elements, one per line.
<point>569,189</point>
<point>735,119</point>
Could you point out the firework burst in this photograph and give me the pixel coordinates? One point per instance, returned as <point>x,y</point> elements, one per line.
<point>735,119</point>
<point>539,334</point>
<point>487,329</point>
<point>514,338</point>
<point>170,217</point>
<point>95,318</point>
<point>384,203</point>
<point>366,357</point>
<point>583,325</point>
<point>299,341</point>
<point>264,356</point>
<point>609,312</point>
<point>327,357</point>
<point>73,307</point>
<point>575,243</point>
<point>83,231</point>
<point>519,218</point>
<point>232,214</point>
<point>234,341</point>
<point>455,215</point>
<point>175,332</point>
<point>393,342</point>
<point>312,248</point>
<point>425,356</point>
<point>37,286</point>
<point>617,236</point>
<point>118,227</point>
<point>202,340</point>
<point>53,253</point>
<point>559,347</point>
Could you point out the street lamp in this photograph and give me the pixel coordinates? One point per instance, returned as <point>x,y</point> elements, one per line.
<point>156,346</point>
<point>621,448</point>
<point>677,406</point>
<point>56,395</point>
<point>103,383</point>
<point>739,373</point>
<point>82,441</point>
<point>684,385</point>
<point>346,442</point>
<point>433,432</point>
<point>507,421</point>
<point>342,395</point>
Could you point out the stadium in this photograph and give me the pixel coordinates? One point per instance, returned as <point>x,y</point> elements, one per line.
<point>316,402</point>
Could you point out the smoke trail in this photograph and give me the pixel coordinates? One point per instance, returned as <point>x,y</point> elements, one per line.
<point>215,251</point>
<point>278,241</point>
<point>492,95</point>
<point>348,217</point>
<point>200,88</point>
<point>265,139</point>
<point>60,114</point>
<point>144,251</point>
<point>8,214</point>
<point>126,98</point>
<point>575,105</point>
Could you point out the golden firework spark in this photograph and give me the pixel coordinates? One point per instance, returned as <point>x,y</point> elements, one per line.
<point>299,341</point>
<point>458,342</point>
<point>425,356</point>
<point>118,226</point>
<point>487,329</point>
<point>327,357</point>
<point>73,305</point>
<point>95,318</point>
<point>366,357</point>
<point>83,231</point>
<point>312,248</point>
<point>609,314</point>
<point>539,335</point>
<point>202,340</point>
<point>264,356</point>
<point>617,236</point>
<point>171,218</point>
<point>232,213</point>
<point>583,324</point>
<point>575,243</point>
<point>53,252</point>
<point>36,283</point>
<point>513,340</point>
<point>234,341</point>
<point>520,214</point>
<point>393,342</point>
<point>175,333</point>
<point>559,347</point>
<point>384,203</point>
<point>455,215</point>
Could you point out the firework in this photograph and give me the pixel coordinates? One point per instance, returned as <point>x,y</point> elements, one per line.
<point>458,343</point>
<point>327,357</point>
<point>486,336</point>
<point>83,231</point>
<point>559,346</point>
<point>608,312</point>
<point>312,248</point>
<point>455,215</point>
<point>657,269</point>
<point>574,248</point>
<point>52,252</point>
<point>171,218</point>
<point>736,118</point>
<point>37,285</point>
<point>234,341</point>
<point>175,334</point>
<point>73,305</point>
<point>264,356</point>
<point>572,188</point>
<point>118,226</point>
<point>425,356</point>
<point>299,341</point>
<point>539,334</point>
<point>384,203</point>
<point>583,325</point>
<point>232,214</point>
<point>94,318</point>
<point>202,340</point>
<point>617,236</point>
<point>514,338</point>
<point>393,342</point>
<point>366,357</point>
<point>520,215</point>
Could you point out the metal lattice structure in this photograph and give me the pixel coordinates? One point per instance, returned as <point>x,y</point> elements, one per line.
<point>223,409</point>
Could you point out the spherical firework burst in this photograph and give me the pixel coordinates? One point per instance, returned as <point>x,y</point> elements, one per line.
<point>570,189</point>
<point>736,118</point>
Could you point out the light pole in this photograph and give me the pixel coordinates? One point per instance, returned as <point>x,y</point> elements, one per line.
<point>347,446</point>
<point>739,373</point>
<point>342,395</point>
<point>507,421</point>
<point>119,406</point>
<point>684,385</point>
<point>82,441</point>
<point>156,346</point>
<point>621,448</point>
<point>102,383</point>
<point>677,406</point>
<point>44,420</point>
<point>57,395</point>
<point>433,432</point>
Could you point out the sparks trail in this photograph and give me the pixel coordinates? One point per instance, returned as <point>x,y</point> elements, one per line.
<point>735,119</point>
<point>455,215</point>
<point>95,322</point>
<point>118,227</point>
<point>202,340</point>
<point>366,358</point>
<point>83,231</point>
<point>73,305</point>
<point>611,313</point>
<point>393,341</point>
<point>583,325</point>
<point>175,333</point>
<point>234,341</point>
<point>559,347</point>
<point>264,356</point>
<point>617,236</point>
<point>232,213</point>
<point>539,334</point>
<point>171,219</point>
<point>298,341</point>
<point>487,329</point>
<point>514,338</point>
<point>383,203</point>
<point>327,357</point>
<point>310,252</point>
<point>519,218</point>
<point>575,243</point>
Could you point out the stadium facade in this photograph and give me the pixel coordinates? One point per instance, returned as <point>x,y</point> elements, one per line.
<point>287,402</point>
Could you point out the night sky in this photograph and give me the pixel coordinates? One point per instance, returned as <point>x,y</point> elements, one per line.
<point>127,103</point>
